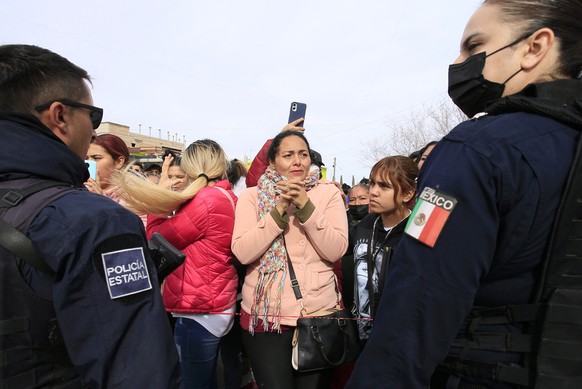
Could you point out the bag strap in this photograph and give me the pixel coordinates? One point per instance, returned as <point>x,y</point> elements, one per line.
<point>293,278</point>
<point>295,283</point>
<point>12,197</point>
<point>227,195</point>
<point>19,245</point>
<point>11,238</point>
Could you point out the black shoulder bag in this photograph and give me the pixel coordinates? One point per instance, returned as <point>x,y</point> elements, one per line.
<point>324,339</point>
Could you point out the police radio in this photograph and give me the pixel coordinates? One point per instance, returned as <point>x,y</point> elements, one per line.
<point>166,257</point>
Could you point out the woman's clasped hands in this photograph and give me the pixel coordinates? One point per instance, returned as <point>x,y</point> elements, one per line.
<point>291,192</point>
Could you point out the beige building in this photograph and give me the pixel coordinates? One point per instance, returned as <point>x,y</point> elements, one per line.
<point>145,148</point>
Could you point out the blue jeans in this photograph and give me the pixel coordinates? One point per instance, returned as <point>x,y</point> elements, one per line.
<point>198,350</point>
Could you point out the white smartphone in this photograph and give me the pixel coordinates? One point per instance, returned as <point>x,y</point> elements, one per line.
<point>92,166</point>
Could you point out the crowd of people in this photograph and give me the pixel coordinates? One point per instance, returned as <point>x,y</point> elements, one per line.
<point>441,256</point>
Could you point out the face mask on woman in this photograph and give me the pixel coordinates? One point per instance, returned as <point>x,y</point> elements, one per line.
<point>468,89</point>
<point>359,212</point>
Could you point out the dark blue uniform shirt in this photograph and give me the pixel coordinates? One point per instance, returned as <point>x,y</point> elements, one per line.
<point>507,173</point>
<point>115,337</point>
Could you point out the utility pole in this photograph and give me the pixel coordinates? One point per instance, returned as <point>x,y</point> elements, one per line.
<point>333,176</point>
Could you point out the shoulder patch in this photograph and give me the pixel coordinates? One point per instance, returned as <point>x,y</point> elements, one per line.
<point>429,216</point>
<point>124,266</point>
<point>126,272</point>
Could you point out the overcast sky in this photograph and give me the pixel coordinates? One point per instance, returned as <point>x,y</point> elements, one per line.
<point>228,70</point>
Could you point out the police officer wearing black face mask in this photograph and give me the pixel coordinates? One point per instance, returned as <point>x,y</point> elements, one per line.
<point>469,90</point>
<point>489,193</point>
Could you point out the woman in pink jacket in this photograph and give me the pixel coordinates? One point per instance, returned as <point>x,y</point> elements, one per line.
<point>290,202</point>
<point>200,294</point>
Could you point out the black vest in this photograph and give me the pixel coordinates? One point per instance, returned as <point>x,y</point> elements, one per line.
<point>32,349</point>
<point>551,339</point>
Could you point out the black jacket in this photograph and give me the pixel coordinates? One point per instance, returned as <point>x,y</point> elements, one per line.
<point>371,262</point>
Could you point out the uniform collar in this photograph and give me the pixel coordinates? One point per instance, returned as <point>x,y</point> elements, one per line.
<point>560,100</point>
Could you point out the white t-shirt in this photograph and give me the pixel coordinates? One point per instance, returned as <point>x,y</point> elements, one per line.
<point>218,324</point>
<point>239,186</point>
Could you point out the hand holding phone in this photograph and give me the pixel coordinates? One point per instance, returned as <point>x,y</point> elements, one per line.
<point>92,166</point>
<point>297,111</point>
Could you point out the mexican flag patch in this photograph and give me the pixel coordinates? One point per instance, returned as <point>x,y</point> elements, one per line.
<point>429,216</point>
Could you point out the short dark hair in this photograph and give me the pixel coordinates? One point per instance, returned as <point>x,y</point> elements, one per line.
<point>276,143</point>
<point>31,76</point>
<point>346,188</point>
<point>417,155</point>
<point>153,166</point>
<point>177,161</point>
<point>137,163</point>
<point>316,158</point>
<point>236,170</point>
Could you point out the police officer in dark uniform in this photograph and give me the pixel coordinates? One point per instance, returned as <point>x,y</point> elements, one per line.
<point>488,196</point>
<point>93,317</point>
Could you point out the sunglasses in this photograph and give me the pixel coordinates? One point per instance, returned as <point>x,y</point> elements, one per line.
<point>96,113</point>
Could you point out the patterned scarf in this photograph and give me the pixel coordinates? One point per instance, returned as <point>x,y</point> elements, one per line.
<point>274,260</point>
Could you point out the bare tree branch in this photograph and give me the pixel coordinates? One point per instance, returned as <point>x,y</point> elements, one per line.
<point>415,131</point>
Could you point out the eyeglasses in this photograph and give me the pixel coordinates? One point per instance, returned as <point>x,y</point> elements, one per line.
<point>96,114</point>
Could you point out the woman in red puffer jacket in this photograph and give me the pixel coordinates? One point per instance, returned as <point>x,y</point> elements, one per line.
<point>201,293</point>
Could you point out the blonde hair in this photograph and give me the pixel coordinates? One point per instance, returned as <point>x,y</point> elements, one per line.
<point>203,161</point>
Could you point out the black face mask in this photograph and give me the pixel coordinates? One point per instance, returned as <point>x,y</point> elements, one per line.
<point>468,89</point>
<point>359,212</point>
